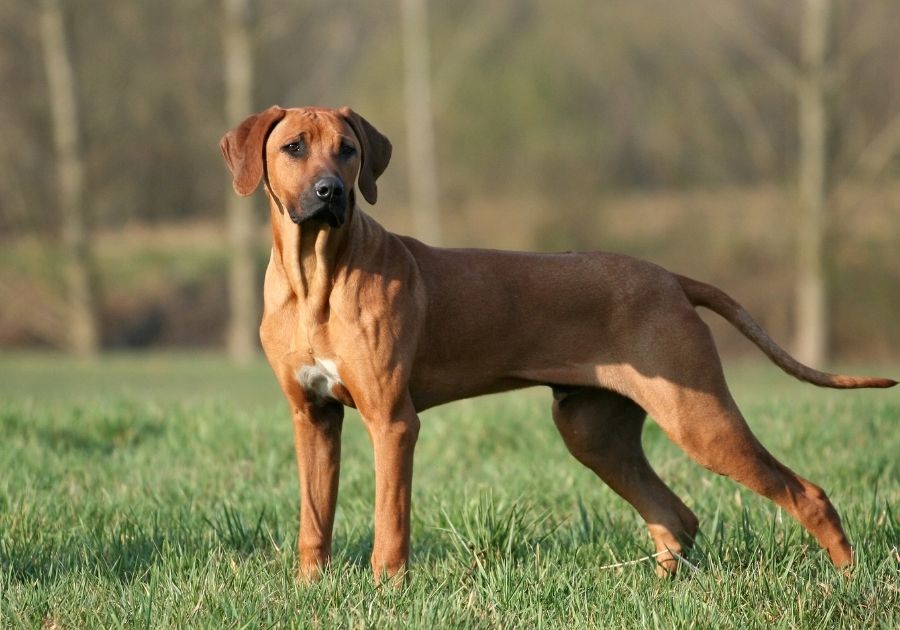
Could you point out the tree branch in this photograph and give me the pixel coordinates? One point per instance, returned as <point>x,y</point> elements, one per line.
<point>748,41</point>
<point>875,157</point>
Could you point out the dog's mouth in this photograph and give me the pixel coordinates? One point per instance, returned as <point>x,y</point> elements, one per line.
<point>333,213</point>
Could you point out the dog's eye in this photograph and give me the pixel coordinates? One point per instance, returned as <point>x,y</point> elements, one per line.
<point>296,149</point>
<point>347,151</point>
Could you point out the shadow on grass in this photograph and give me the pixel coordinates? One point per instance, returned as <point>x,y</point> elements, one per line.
<point>84,432</point>
<point>354,549</point>
<point>127,550</point>
<point>479,536</point>
<point>124,554</point>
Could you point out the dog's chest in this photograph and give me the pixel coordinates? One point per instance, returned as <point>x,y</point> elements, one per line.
<point>321,380</point>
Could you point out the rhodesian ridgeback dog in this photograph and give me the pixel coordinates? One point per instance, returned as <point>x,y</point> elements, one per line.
<point>357,316</point>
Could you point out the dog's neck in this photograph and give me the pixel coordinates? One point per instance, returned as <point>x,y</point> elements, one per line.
<point>309,255</point>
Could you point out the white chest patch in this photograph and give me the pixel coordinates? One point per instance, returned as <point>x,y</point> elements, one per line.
<point>318,379</point>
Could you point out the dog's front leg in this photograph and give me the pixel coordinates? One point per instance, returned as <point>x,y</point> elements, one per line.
<point>394,433</point>
<point>317,439</point>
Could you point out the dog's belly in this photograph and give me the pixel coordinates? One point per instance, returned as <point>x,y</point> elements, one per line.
<point>433,387</point>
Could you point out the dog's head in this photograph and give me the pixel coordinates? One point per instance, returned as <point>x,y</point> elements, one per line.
<point>309,158</point>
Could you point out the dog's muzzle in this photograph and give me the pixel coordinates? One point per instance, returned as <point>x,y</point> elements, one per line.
<point>325,201</point>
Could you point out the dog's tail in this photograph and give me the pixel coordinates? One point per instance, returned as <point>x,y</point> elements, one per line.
<point>716,300</point>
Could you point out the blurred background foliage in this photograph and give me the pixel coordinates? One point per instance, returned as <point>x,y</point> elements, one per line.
<point>660,129</point>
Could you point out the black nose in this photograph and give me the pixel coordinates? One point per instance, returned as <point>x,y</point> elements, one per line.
<point>329,188</point>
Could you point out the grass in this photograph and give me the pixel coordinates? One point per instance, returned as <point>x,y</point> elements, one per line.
<point>161,491</point>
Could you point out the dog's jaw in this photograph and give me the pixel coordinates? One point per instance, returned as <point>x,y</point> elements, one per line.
<point>333,214</point>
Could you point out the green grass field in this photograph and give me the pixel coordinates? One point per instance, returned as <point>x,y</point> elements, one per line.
<point>161,491</point>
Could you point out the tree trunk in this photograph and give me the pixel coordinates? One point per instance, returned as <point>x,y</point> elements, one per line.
<point>810,324</point>
<point>83,337</point>
<point>242,294</point>
<point>423,186</point>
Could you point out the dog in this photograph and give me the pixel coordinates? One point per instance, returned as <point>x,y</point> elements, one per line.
<point>357,316</point>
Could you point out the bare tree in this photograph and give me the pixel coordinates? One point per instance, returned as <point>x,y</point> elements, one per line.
<point>423,186</point>
<point>242,294</point>
<point>83,338</point>
<point>808,83</point>
<point>810,317</point>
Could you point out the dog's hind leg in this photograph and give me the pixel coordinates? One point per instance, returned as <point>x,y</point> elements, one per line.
<point>602,430</point>
<point>688,397</point>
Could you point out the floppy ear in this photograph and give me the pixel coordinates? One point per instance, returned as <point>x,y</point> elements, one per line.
<point>376,153</point>
<point>243,148</point>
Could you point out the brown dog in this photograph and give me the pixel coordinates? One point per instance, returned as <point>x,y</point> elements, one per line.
<point>355,315</point>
